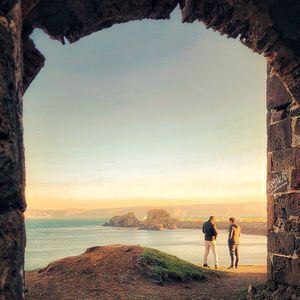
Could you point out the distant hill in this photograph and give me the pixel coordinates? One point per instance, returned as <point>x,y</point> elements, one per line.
<point>248,209</point>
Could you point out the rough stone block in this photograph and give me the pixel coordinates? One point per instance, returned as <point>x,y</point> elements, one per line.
<point>274,116</point>
<point>269,267</point>
<point>286,270</point>
<point>292,224</point>
<point>12,243</point>
<point>277,94</point>
<point>281,242</point>
<point>295,111</point>
<point>297,126</point>
<point>286,205</point>
<point>270,212</point>
<point>295,179</point>
<point>277,182</point>
<point>279,135</point>
<point>297,246</point>
<point>282,159</point>
<point>296,131</point>
<point>296,157</point>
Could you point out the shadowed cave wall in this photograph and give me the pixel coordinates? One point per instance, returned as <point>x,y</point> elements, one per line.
<point>270,28</point>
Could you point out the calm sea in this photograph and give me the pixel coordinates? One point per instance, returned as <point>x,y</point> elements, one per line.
<point>49,240</point>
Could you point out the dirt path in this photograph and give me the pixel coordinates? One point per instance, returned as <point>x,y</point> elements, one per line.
<point>109,273</point>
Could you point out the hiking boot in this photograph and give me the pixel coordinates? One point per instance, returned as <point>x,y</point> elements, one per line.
<point>206,266</point>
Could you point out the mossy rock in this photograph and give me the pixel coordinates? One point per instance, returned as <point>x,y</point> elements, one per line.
<point>163,267</point>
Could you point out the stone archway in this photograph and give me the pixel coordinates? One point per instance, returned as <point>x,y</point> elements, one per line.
<point>271,28</point>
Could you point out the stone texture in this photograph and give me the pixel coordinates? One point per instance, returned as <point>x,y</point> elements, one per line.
<point>270,210</point>
<point>295,179</point>
<point>277,182</point>
<point>12,243</point>
<point>281,159</point>
<point>286,205</point>
<point>11,147</point>
<point>12,202</point>
<point>33,62</point>
<point>276,116</point>
<point>281,242</point>
<point>286,270</point>
<point>277,95</point>
<point>279,135</point>
<point>273,291</point>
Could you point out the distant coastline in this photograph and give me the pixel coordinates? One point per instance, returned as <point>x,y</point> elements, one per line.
<point>159,219</point>
<point>253,211</point>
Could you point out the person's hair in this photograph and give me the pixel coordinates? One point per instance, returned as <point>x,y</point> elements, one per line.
<point>212,218</point>
<point>232,219</point>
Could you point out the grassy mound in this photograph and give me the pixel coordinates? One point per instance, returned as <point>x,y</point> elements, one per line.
<point>165,267</point>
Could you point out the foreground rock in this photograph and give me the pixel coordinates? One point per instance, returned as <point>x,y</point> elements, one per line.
<point>128,220</point>
<point>273,291</point>
<point>133,272</point>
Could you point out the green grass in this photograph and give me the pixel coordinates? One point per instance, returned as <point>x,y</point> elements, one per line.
<point>164,267</point>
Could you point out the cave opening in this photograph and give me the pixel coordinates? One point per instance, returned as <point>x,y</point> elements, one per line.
<point>153,114</point>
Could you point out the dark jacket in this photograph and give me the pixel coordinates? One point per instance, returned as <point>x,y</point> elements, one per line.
<point>210,231</point>
<point>234,234</point>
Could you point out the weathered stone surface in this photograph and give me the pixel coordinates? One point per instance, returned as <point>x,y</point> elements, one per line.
<point>279,135</point>
<point>281,242</point>
<point>281,159</point>
<point>277,182</point>
<point>12,202</point>
<point>276,116</point>
<point>11,148</point>
<point>33,62</point>
<point>277,95</point>
<point>286,205</point>
<point>273,291</point>
<point>270,212</point>
<point>286,270</point>
<point>295,179</point>
<point>12,243</point>
<point>296,157</point>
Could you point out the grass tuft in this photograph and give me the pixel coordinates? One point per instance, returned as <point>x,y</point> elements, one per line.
<point>164,267</point>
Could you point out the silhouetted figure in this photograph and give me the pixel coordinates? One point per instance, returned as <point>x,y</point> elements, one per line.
<point>234,243</point>
<point>210,231</point>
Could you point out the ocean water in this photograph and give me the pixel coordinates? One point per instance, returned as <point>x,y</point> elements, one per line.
<point>49,240</point>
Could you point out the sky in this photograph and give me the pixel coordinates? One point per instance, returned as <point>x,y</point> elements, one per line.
<point>147,112</point>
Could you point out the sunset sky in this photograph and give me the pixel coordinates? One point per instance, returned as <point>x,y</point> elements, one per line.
<point>145,112</point>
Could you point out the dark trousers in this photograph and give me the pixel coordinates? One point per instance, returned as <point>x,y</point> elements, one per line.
<point>234,251</point>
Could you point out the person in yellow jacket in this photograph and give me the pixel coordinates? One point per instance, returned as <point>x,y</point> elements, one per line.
<point>234,243</point>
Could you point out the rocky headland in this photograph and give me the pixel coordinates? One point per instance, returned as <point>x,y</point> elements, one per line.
<point>127,220</point>
<point>160,219</point>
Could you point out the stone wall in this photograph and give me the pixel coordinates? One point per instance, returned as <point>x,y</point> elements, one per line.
<point>12,203</point>
<point>283,183</point>
<point>271,28</point>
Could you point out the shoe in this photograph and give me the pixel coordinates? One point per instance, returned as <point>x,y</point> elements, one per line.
<point>216,267</point>
<point>231,267</point>
<point>206,266</point>
<point>236,267</point>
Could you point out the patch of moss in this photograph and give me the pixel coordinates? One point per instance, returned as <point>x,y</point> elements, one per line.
<point>165,267</point>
